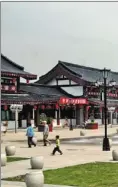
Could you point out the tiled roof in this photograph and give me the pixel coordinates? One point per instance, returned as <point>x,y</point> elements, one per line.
<point>7,66</point>
<point>78,72</point>
<point>26,99</point>
<point>109,102</point>
<point>41,90</point>
<point>88,73</point>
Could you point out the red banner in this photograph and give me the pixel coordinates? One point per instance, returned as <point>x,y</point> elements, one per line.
<point>74,101</point>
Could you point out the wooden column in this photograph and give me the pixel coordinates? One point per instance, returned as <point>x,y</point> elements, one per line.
<point>37,117</point>
<point>58,116</point>
<point>79,115</point>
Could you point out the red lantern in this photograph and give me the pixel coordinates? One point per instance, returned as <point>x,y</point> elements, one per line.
<point>35,107</point>
<point>43,107</point>
<point>27,81</point>
<point>5,107</point>
<point>57,106</point>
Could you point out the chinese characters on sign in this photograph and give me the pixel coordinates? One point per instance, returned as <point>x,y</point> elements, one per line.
<point>74,101</point>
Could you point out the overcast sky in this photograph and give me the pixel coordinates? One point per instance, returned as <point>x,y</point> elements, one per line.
<point>37,35</point>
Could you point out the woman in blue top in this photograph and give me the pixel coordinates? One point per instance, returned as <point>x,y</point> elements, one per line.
<point>30,135</point>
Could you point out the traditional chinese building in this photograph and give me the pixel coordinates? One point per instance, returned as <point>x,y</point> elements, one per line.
<point>10,88</point>
<point>79,81</point>
<point>35,98</point>
<point>66,91</point>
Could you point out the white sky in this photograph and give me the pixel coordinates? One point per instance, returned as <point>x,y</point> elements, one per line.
<point>37,35</point>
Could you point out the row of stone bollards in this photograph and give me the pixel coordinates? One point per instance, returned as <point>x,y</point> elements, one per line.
<point>35,178</point>
<point>32,179</point>
<point>10,150</point>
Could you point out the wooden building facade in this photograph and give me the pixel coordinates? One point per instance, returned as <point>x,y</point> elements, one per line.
<point>66,91</point>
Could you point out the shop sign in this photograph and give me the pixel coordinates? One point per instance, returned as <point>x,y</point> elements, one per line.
<point>74,101</point>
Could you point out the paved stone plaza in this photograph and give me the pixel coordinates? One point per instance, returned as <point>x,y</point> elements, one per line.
<point>73,154</point>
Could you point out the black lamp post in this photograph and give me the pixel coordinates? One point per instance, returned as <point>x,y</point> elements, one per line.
<point>106,145</point>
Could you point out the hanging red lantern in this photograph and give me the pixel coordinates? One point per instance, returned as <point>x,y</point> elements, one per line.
<point>27,81</point>
<point>5,107</point>
<point>35,107</point>
<point>57,106</point>
<point>43,107</point>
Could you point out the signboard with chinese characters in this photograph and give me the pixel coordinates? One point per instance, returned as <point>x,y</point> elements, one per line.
<point>74,101</point>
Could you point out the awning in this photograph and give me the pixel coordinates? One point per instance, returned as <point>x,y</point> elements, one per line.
<point>110,103</point>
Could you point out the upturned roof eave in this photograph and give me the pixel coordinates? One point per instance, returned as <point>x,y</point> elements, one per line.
<point>11,62</point>
<point>60,69</point>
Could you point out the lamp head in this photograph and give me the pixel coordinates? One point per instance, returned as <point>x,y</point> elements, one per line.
<point>105,72</point>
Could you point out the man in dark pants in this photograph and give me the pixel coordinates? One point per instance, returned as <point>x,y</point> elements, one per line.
<point>57,148</point>
<point>30,135</point>
<point>46,133</point>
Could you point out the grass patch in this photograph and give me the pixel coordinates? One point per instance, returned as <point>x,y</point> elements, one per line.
<point>14,159</point>
<point>85,175</point>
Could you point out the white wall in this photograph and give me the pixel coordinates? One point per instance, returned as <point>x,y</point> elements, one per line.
<point>73,83</point>
<point>63,82</point>
<point>74,90</point>
<point>62,121</point>
<point>11,124</point>
<point>60,82</point>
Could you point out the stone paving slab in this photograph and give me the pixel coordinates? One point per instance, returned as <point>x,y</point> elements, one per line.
<point>73,155</point>
<point>22,184</point>
<point>64,134</point>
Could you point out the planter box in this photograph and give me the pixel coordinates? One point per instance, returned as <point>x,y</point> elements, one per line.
<point>40,128</point>
<point>91,126</point>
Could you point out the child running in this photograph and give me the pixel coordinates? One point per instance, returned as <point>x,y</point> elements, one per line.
<point>57,148</point>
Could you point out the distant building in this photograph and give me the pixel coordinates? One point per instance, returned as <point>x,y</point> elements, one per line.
<point>67,91</point>
<point>79,82</point>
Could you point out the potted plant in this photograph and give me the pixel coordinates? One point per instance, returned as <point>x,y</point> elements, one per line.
<point>92,124</point>
<point>42,118</point>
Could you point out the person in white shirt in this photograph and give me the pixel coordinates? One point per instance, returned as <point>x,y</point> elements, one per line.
<point>46,133</point>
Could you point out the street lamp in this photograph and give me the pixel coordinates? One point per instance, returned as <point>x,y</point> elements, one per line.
<point>105,72</point>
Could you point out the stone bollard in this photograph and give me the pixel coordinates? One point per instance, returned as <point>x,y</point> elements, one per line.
<point>37,162</point>
<point>82,133</point>
<point>3,159</point>
<point>34,179</point>
<point>115,155</point>
<point>10,150</point>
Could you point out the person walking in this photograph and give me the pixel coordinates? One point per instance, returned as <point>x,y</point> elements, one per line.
<point>30,135</point>
<point>57,148</point>
<point>46,134</point>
